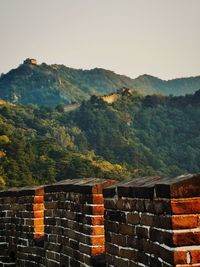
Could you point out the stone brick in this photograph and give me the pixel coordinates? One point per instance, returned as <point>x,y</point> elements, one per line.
<point>133,218</point>
<point>142,232</point>
<point>162,237</point>
<point>126,204</point>
<point>195,256</point>
<point>180,187</point>
<point>126,229</point>
<point>97,220</point>
<point>185,206</point>
<point>186,238</point>
<point>128,253</point>
<point>147,219</point>
<point>154,262</point>
<point>111,226</point>
<point>110,203</point>
<point>118,239</point>
<point>180,257</point>
<point>113,215</point>
<point>97,199</point>
<point>185,221</point>
<point>112,249</point>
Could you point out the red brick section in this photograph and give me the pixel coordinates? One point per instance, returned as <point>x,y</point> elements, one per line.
<point>38,210</point>
<point>21,220</point>
<point>143,222</point>
<point>98,237</point>
<point>153,222</point>
<point>74,222</point>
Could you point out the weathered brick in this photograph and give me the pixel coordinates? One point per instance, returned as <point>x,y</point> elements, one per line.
<point>147,219</point>
<point>126,229</point>
<point>118,239</point>
<point>185,221</point>
<point>133,218</point>
<point>128,253</point>
<point>195,256</point>
<point>180,257</point>
<point>120,262</point>
<point>126,204</point>
<point>186,238</point>
<point>185,206</point>
<point>142,232</point>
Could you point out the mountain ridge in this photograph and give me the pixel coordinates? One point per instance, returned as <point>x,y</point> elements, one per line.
<point>50,85</point>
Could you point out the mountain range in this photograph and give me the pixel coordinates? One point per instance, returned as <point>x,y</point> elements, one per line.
<point>51,85</point>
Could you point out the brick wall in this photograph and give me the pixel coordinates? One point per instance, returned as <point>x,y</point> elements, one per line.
<point>19,226</point>
<point>153,222</point>
<point>143,222</point>
<point>74,222</point>
<point>56,225</point>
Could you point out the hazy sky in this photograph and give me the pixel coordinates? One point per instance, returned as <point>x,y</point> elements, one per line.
<point>132,37</point>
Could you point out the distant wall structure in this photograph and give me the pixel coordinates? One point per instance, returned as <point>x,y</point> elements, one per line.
<point>32,61</point>
<point>115,96</point>
<point>110,98</point>
<point>145,222</point>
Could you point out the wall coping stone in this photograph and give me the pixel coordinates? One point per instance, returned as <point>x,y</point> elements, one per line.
<point>183,186</point>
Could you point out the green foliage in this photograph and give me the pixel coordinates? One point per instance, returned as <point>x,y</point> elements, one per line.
<point>4,139</point>
<point>132,137</point>
<point>2,182</point>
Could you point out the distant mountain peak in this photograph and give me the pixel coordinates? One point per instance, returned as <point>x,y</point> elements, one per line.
<point>148,77</point>
<point>51,85</point>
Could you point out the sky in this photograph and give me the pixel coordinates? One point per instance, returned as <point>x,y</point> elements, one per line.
<point>130,37</point>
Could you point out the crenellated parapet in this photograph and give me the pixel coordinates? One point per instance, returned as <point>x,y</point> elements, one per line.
<point>145,222</point>
<point>153,222</point>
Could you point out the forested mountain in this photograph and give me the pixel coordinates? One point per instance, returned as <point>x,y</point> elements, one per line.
<point>134,136</point>
<point>51,85</point>
<point>174,87</point>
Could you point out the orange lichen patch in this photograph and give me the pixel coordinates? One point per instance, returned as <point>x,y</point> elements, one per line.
<point>38,209</point>
<point>98,250</point>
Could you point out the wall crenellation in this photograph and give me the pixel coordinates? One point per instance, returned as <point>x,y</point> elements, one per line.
<point>153,222</point>
<point>145,222</point>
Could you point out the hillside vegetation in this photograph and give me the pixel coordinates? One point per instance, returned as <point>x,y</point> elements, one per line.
<point>51,85</point>
<point>132,137</point>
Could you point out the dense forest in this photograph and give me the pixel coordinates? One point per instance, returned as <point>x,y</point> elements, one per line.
<point>134,136</point>
<point>50,85</point>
